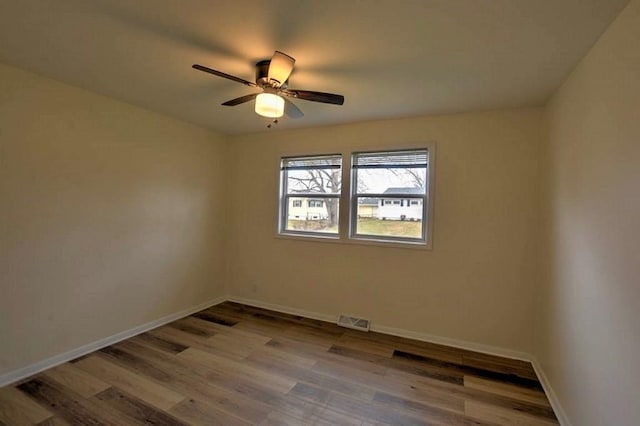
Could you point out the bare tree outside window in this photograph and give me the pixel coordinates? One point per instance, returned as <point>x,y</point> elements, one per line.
<point>414,177</point>
<point>319,181</point>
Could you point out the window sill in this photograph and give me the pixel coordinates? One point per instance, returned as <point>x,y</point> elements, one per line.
<point>372,242</point>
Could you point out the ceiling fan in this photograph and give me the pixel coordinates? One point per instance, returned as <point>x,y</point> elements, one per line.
<point>271,76</point>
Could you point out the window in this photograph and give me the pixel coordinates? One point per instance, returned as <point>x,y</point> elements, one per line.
<point>400,179</point>
<point>388,200</point>
<point>315,182</point>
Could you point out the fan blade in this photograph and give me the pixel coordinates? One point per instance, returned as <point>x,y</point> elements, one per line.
<point>291,109</point>
<point>327,98</point>
<point>280,67</point>
<point>241,100</point>
<point>224,75</point>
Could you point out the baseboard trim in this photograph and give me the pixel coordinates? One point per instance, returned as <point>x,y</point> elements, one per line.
<point>29,370</point>
<point>455,343</point>
<point>551,394</point>
<point>424,337</point>
<point>283,309</point>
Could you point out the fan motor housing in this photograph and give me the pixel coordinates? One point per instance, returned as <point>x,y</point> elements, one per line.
<point>262,75</point>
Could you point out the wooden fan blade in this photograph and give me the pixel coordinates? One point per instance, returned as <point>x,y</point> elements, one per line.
<point>307,95</point>
<point>224,75</point>
<point>240,100</point>
<point>291,109</point>
<point>280,67</point>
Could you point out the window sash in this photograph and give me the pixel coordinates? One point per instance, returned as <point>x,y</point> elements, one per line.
<point>312,162</point>
<point>285,216</point>
<point>404,159</point>
<point>356,234</point>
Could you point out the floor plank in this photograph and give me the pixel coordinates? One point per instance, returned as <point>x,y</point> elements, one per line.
<point>150,392</point>
<point>54,421</point>
<point>506,389</point>
<point>136,408</point>
<point>199,382</point>
<point>18,409</point>
<point>196,412</point>
<point>276,382</point>
<point>68,405</point>
<point>504,417</point>
<point>79,381</point>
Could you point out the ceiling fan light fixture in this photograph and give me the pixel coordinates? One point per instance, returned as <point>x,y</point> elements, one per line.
<point>272,76</point>
<point>269,105</point>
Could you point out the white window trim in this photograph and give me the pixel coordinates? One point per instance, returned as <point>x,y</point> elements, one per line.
<point>343,236</point>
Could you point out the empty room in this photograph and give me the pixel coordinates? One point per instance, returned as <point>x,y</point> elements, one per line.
<point>320,212</point>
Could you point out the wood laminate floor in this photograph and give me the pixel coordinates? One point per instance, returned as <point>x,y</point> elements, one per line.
<point>237,365</point>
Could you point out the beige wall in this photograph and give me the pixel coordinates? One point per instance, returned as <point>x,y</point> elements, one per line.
<point>591,337</point>
<point>479,281</point>
<point>110,217</point>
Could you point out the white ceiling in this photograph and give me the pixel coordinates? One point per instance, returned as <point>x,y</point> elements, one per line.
<point>389,58</point>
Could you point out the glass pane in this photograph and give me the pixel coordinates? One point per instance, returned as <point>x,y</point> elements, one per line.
<point>317,180</point>
<point>391,180</point>
<point>308,214</point>
<point>390,217</point>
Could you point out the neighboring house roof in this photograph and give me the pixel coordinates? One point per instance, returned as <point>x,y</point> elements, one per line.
<point>404,191</point>
<point>368,201</point>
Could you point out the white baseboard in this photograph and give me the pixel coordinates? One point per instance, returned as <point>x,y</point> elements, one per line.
<point>424,337</point>
<point>283,309</point>
<point>551,394</point>
<point>29,370</point>
<point>460,344</point>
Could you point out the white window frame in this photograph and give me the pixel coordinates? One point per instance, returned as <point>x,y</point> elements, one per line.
<point>348,205</point>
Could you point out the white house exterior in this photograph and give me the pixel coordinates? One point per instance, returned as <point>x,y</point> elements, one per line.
<point>368,208</point>
<point>307,209</point>
<point>394,208</point>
